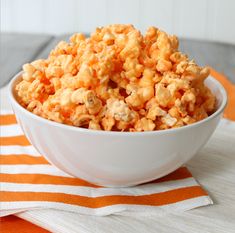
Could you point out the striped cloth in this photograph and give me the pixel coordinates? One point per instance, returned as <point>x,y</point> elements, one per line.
<point>28,181</point>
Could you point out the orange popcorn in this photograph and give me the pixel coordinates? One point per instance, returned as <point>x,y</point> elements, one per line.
<point>117,80</point>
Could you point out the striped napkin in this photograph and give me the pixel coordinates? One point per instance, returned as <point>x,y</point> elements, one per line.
<point>29,182</point>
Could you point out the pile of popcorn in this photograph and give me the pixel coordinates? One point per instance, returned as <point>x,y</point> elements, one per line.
<point>117,80</point>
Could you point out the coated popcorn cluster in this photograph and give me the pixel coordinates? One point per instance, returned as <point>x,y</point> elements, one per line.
<point>117,80</point>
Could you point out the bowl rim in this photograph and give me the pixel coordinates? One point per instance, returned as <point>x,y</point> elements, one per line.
<point>116,133</point>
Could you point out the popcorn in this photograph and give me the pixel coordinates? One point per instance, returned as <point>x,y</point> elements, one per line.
<point>107,123</point>
<point>83,120</point>
<point>28,72</point>
<point>147,79</point>
<point>117,80</point>
<point>77,97</point>
<point>163,65</point>
<point>54,71</point>
<point>146,93</point>
<point>94,124</point>
<point>119,110</point>
<point>134,100</point>
<point>144,124</point>
<point>169,120</point>
<point>65,98</point>
<point>163,95</point>
<point>85,76</point>
<point>155,111</point>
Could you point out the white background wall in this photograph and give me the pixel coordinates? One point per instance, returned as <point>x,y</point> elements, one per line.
<point>200,19</point>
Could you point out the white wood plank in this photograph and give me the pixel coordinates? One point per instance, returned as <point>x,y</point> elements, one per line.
<point>201,19</point>
<point>224,21</point>
<point>191,18</point>
<point>59,16</point>
<point>157,13</point>
<point>6,23</point>
<point>8,9</point>
<point>210,19</point>
<point>90,15</point>
<point>25,15</point>
<point>123,11</point>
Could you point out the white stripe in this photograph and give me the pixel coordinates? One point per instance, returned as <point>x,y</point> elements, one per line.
<point>99,192</point>
<point>33,169</point>
<point>107,210</point>
<point>18,206</point>
<point>6,112</point>
<point>29,150</point>
<point>147,211</point>
<point>10,130</point>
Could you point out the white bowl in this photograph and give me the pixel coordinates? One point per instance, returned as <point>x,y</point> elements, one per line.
<point>117,159</point>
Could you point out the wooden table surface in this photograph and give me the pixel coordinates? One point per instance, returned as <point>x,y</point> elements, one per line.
<point>213,167</point>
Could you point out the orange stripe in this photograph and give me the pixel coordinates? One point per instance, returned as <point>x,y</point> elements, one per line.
<point>44,179</point>
<point>14,140</point>
<point>155,199</point>
<point>229,111</point>
<point>8,119</point>
<point>22,159</point>
<point>9,224</point>
<point>180,173</point>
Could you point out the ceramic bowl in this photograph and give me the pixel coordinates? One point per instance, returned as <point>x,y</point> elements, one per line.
<point>117,159</point>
